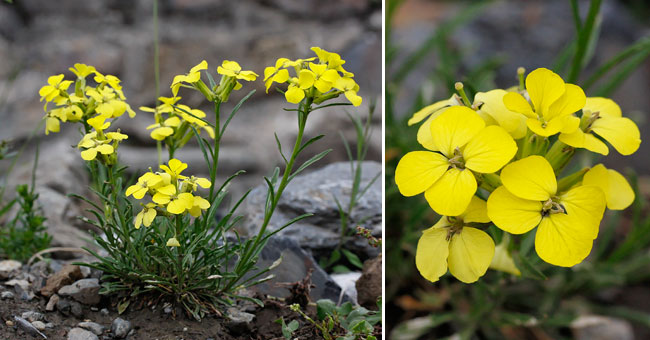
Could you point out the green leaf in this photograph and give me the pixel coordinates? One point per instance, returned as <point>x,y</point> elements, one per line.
<point>353,258</point>
<point>309,162</point>
<point>324,308</point>
<point>122,306</point>
<point>587,34</point>
<point>527,268</point>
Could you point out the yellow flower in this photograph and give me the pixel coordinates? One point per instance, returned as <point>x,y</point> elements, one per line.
<point>99,122</point>
<point>552,103</point>
<point>602,117</point>
<point>452,243</point>
<point>567,223</point>
<point>276,74</point>
<point>193,116</point>
<point>324,78</point>
<point>51,125</point>
<point>55,86</point>
<point>145,216</point>
<point>232,69</point>
<point>333,60</point>
<point>146,182</point>
<point>109,103</point>
<point>192,77</point>
<point>173,242</point>
<point>112,81</point>
<point>194,182</point>
<point>618,192</point>
<point>349,88</point>
<point>93,146</point>
<point>493,111</point>
<point>176,203</point>
<point>165,129</point>
<point>82,70</point>
<point>198,205</point>
<point>462,145</point>
<point>175,168</point>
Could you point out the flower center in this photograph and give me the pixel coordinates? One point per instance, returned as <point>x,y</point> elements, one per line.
<point>457,161</point>
<point>455,227</point>
<point>552,206</point>
<point>591,117</point>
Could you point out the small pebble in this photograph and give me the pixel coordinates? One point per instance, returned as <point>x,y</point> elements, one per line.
<point>92,326</point>
<point>81,334</point>
<point>39,325</point>
<point>6,295</point>
<point>103,311</point>
<point>32,316</point>
<point>120,328</point>
<point>9,323</point>
<point>51,304</point>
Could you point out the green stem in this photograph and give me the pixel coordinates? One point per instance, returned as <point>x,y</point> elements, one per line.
<point>215,150</point>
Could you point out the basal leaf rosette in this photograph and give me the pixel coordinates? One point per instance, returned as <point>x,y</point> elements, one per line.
<point>461,147</point>
<point>567,222</point>
<point>452,243</point>
<point>552,103</point>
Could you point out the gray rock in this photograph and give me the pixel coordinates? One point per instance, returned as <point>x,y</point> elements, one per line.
<point>64,307</point>
<point>9,269</point>
<point>295,266</point>
<point>40,325</point>
<point>121,328</point>
<point>92,326</point>
<point>85,291</point>
<point>76,309</point>
<point>23,290</point>
<point>594,327</point>
<point>81,334</point>
<point>239,322</point>
<point>6,295</point>
<point>51,303</point>
<point>28,327</point>
<point>315,193</point>
<point>103,311</point>
<point>32,316</point>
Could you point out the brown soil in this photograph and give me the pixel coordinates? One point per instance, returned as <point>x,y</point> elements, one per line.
<point>151,325</point>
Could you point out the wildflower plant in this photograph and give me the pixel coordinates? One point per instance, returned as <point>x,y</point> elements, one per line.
<point>161,233</point>
<point>493,169</point>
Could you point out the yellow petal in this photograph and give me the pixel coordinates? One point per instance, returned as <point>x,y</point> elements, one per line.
<point>168,190</point>
<point>562,240</point>
<point>515,102</point>
<point>513,122</point>
<point>470,254</point>
<point>571,101</point>
<point>454,128</point>
<point>203,182</point>
<point>621,132</point>
<point>511,213</point>
<point>52,124</point>
<point>476,211</point>
<point>530,178</point>
<point>353,97</point>
<point>424,132</point>
<point>605,106</point>
<point>489,150</point>
<point>138,194</point>
<point>149,216</point>
<point>618,192</point>
<point>294,94</point>
<point>89,155</point>
<point>173,242</point>
<point>133,188</point>
<point>579,139</point>
<point>586,203</point>
<point>427,111</point>
<point>545,129</point>
<point>306,79</point>
<point>138,219</point>
<point>431,254</point>
<point>418,170</point>
<point>452,193</point>
<point>160,198</point>
<point>105,149</point>
<point>176,207</point>
<point>544,87</point>
<point>502,260</point>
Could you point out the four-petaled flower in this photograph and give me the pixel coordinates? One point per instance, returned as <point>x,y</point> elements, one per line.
<point>567,222</point>
<point>461,146</point>
<point>192,77</point>
<point>145,216</point>
<point>145,183</point>
<point>55,85</point>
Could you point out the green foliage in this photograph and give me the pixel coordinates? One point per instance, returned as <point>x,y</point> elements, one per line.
<point>545,297</point>
<point>344,322</point>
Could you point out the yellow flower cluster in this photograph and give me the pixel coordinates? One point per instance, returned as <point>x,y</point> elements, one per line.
<point>498,147</point>
<point>230,71</point>
<point>90,105</point>
<point>171,193</point>
<point>319,80</point>
<point>175,119</point>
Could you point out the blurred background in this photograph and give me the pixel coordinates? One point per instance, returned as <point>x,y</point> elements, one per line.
<point>42,38</point>
<point>431,45</point>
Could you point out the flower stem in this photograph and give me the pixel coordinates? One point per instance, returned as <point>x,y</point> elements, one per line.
<point>215,150</point>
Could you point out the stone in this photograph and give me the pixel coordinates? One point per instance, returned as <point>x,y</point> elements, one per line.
<point>76,309</point>
<point>103,311</point>
<point>32,316</point>
<point>51,303</point>
<point>315,193</point>
<point>39,325</point>
<point>346,281</point>
<point>239,322</point>
<point>22,289</point>
<point>369,285</point>
<point>81,334</point>
<point>9,269</point>
<point>64,307</point>
<point>6,295</point>
<point>28,328</point>
<point>85,291</point>
<point>120,328</point>
<point>594,327</point>
<point>295,266</point>
<point>92,326</point>
<point>67,275</point>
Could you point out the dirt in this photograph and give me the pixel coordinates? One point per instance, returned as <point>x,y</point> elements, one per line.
<point>155,324</point>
